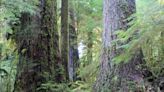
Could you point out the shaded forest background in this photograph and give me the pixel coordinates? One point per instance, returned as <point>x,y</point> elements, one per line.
<point>81,46</point>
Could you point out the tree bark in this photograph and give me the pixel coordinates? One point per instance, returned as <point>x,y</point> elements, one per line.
<point>65,37</point>
<point>39,57</point>
<point>28,69</point>
<point>49,25</point>
<point>113,77</point>
<point>73,45</point>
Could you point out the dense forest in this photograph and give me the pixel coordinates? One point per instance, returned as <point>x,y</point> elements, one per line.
<point>81,45</point>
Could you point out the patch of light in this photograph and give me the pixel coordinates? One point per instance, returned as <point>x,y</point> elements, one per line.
<point>81,49</point>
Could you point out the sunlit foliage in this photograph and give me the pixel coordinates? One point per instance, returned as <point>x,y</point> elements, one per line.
<point>146,32</point>
<point>10,11</point>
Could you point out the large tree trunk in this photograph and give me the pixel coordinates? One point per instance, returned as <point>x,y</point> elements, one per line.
<point>50,27</point>
<point>38,48</point>
<point>113,77</point>
<point>28,68</point>
<point>65,37</point>
<point>73,45</point>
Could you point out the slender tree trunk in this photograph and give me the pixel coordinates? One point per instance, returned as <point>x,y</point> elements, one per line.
<point>65,37</point>
<point>55,47</point>
<point>73,45</point>
<point>113,77</point>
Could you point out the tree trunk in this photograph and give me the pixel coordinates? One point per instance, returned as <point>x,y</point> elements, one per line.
<point>113,77</point>
<point>73,45</point>
<point>28,68</point>
<point>65,37</point>
<point>38,48</point>
<point>49,25</point>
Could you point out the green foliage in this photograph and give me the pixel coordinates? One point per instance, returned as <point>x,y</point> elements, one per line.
<point>80,86</point>
<point>54,87</point>
<point>77,86</point>
<point>146,33</point>
<point>8,73</point>
<point>10,11</point>
<point>90,23</point>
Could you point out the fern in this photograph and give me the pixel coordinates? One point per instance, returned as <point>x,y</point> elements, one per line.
<point>146,33</point>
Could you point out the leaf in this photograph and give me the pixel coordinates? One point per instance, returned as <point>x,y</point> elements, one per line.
<point>23,51</point>
<point>3,72</point>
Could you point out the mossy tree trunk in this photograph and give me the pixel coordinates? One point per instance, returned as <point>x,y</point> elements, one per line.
<point>29,66</point>
<point>112,77</point>
<point>73,45</point>
<point>65,38</point>
<point>38,44</point>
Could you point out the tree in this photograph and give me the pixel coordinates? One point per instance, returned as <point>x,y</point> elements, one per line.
<point>65,37</point>
<point>114,77</point>
<point>73,45</point>
<point>37,41</point>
